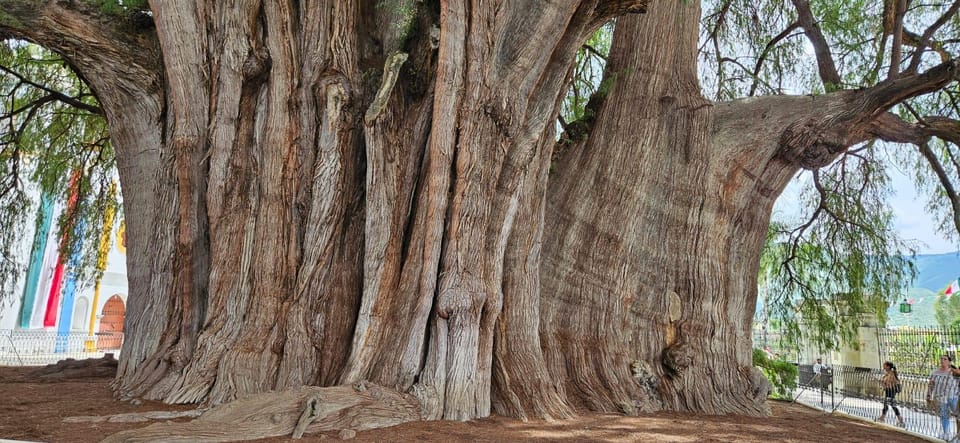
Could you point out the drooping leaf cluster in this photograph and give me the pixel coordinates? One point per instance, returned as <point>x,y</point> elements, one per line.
<point>844,262</point>
<point>54,144</point>
<point>841,255</point>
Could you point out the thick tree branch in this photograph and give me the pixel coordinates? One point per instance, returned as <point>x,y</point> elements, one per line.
<point>944,179</point>
<point>874,101</point>
<point>609,9</point>
<point>943,127</point>
<point>613,8</point>
<point>897,30</point>
<point>891,128</point>
<point>816,140</point>
<point>825,64</point>
<point>928,35</point>
<point>85,36</point>
<point>913,39</point>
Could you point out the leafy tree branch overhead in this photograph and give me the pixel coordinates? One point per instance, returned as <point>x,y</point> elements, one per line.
<point>894,61</point>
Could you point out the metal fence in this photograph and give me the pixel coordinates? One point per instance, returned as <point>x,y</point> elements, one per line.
<point>41,347</point>
<point>857,391</point>
<point>917,350</point>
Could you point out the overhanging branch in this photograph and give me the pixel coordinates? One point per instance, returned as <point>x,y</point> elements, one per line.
<point>52,94</point>
<point>874,101</point>
<point>944,179</point>
<point>927,36</point>
<point>825,64</point>
<point>85,36</point>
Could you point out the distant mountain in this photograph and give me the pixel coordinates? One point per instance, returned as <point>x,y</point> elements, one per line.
<point>934,273</point>
<point>922,309</point>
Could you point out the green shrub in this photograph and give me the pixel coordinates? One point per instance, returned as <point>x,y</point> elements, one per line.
<point>781,374</point>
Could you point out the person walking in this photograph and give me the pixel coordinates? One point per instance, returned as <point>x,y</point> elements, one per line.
<point>942,388</point>
<point>891,387</point>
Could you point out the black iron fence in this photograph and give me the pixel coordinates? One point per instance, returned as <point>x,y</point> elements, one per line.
<point>917,350</point>
<point>857,391</point>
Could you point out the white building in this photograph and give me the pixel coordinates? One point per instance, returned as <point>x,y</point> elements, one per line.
<point>50,305</point>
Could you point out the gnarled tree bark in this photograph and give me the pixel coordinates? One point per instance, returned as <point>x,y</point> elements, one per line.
<point>328,192</point>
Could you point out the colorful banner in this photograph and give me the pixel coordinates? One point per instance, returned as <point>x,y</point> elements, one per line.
<point>45,214</point>
<point>46,278</point>
<point>69,291</point>
<point>53,301</point>
<point>103,251</point>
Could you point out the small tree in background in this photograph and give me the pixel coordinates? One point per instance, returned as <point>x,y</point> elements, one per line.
<point>781,374</point>
<point>946,307</point>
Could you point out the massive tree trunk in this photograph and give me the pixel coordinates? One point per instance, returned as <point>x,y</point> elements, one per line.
<point>655,223</point>
<point>328,192</point>
<point>335,188</point>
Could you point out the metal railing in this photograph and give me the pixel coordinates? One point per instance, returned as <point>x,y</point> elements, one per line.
<point>19,347</point>
<point>917,350</point>
<point>857,391</point>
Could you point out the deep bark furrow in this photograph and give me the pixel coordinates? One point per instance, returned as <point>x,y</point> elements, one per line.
<point>253,363</point>
<point>680,273</point>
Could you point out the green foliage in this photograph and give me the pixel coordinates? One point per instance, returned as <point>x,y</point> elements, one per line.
<point>588,77</point>
<point>781,374</point>
<point>844,261</point>
<point>947,309</point>
<point>120,7</point>
<point>53,132</point>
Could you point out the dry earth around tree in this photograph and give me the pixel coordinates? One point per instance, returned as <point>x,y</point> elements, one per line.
<point>40,404</point>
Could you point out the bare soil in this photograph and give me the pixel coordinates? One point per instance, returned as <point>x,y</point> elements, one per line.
<point>34,403</point>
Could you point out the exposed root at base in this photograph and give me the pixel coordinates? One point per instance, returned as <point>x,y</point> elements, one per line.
<point>70,368</point>
<point>134,417</point>
<point>293,412</point>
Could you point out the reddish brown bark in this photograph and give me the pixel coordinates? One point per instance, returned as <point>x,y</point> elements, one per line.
<point>359,190</point>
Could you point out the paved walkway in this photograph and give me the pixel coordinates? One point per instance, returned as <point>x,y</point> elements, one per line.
<point>920,422</point>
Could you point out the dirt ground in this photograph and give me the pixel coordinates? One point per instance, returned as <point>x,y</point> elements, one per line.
<point>33,406</point>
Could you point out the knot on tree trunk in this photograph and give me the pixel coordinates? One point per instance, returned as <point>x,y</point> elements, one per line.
<point>649,385</point>
<point>677,357</point>
<point>811,144</point>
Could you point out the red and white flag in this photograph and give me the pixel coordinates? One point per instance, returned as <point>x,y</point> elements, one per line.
<point>953,288</point>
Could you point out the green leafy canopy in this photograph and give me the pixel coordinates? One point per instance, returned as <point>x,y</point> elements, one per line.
<point>54,143</point>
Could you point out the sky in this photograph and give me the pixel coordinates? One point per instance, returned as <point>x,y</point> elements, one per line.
<point>913,222</point>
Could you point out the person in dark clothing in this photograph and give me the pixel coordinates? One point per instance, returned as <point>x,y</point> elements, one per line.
<point>891,387</point>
